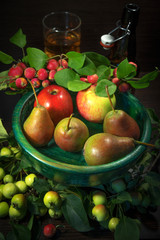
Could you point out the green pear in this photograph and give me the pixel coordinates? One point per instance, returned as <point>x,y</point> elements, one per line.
<point>38,127</point>
<point>102,148</point>
<point>70,134</point>
<point>119,123</point>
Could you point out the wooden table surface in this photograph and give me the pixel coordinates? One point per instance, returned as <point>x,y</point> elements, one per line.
<point>98,17</point>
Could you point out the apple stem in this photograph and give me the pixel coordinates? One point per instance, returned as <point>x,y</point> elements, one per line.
<point>69,120</point>
<point>110,99</point>
<point>34,92</point>
<point>145,144</point>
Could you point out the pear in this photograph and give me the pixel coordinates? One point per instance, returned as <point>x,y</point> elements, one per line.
<point>70,134</point>
<point>102,148</point>
<point>38,127</point>
<point>119,123</point>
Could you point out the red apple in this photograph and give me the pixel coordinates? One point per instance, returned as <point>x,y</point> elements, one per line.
<point>92,107</point>
<point>57,101</point>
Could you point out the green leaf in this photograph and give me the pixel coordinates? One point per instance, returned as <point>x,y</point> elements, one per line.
<point>5,58</point>
<point>103,72</point>
<point>2,236</point>
<point>153,117</point>
<point>101,88</point>
<point>77,85</point>
<point>127,229</point>
<point>138,84</point>
<point>75,214</point>
<point>36,58</point>
<point>19,39</point>
<point>122,197</point>
<point>21,231</point>
<point>150,76</point>
<point>75,59</point>
<point>97,58</point>
<point>3,132</point>
<point>30,223</point>
<point>41,185</point>
<point>88,68</point>
<point>64,76</point>
<point>153,179</point>
<point>126,70</point>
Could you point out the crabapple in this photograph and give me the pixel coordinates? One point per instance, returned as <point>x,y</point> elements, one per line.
<point>18,201</point>
<point>51,74</point>
<point>45,83</point>
<point>100,212</point>
<point>29,179</point>
<point>9,190</point>
<point>92,78</point>
<point>99,197</point>
<point>1,188</point>
<point>42,74</point>
<point>17,214</point>
<point>63,63</point>
<point>49,230</point>
<point>8,179</point>
<point>29,72</point>
<point>116,80</point>
<point>35,82</point>
<point>42,211</point>
<point>1,196</point>
<point>52,64</point>
<point>22,186</point>
<point>5,152</point>
<point>59,69</point>
<point>55,213</point>
<point>113,222</point>
<point>118,185</point>
<point>4,209</point>
<point>134,64</point>
<point>2,173</point>
<point>124,87</point>
<point>22,65</point>
<point>52,199</point>
<point>115,72</point>
<point>83,79</point>
<point>21,82</point>
<point>15,71</point>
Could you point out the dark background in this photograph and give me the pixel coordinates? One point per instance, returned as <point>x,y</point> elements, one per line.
<point>98,17</point>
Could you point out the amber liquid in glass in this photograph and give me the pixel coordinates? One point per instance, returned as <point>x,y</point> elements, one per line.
<point>62,42</point>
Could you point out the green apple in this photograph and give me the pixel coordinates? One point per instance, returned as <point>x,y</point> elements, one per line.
<point>55,213</point>
<point>4,209</point>
<point>100,212</point>
<point>93,107</point>
<point>22,186</point>
<point>2,173</point>
<point>1,188</point>
<point>52,199</point>
<point>5,152</point>
<point>113,222</point>
<point>17,214</point>
<point>8,178</point>
<point>1,196</point>
<point>9,190</point>
<point>99,197</point>
<point>29,179</point>
<point>18,201</point>
<point>42,210</point>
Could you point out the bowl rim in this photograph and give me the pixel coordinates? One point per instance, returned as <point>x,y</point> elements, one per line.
<point>27,147</point>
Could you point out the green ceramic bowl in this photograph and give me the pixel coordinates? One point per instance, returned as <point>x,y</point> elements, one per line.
<point>71,168</point>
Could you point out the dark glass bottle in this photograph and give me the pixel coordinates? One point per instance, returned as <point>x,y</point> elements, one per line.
<point>124,36</point>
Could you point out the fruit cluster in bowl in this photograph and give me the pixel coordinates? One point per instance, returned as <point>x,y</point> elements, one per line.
<point>82,137</point>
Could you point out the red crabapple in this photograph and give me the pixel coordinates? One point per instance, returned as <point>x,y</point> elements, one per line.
<point>51,74</point>
<point>115,72</point>
<point>92,78</point>
<point>22,65</point>
<point>134,64</point>
<point>36,82</point>
<point>116,81</point>
<point>59,69</point>
<point>42,74</point>
<point>52,64</point>
<point>45,83</point>
<point>21,82</point>
<point>49,230</point>
<point>29,72</point>
<point>63,63</point>
<point>83,79</point>
<point>124,87</point>
<point>15,71</point>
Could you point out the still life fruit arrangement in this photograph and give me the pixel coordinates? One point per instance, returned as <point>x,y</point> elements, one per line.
<point>26,197</point>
